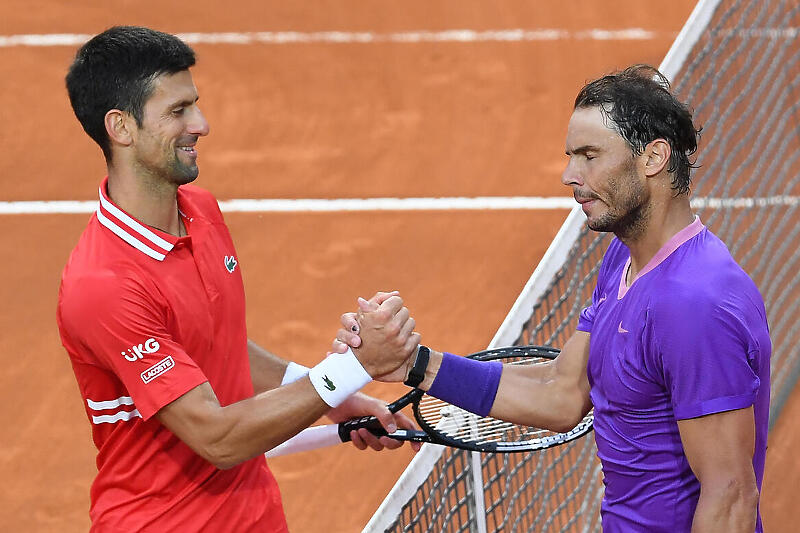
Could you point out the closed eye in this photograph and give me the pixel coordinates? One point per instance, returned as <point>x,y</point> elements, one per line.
<point>587,151</point>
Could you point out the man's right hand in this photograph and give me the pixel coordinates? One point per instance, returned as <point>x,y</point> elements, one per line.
<point>348,335</point>
<point>386,331</point>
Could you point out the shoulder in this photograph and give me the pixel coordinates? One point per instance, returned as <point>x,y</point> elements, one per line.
<point>706,273</point>
<point>704,283</point>
<point>89,294</point>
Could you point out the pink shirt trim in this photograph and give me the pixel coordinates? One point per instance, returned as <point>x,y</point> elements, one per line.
<point>673,244</point>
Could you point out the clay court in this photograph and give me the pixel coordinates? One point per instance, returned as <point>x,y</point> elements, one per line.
<point>317,119</point>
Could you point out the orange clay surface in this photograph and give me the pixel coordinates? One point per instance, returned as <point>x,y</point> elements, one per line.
<point>316,120</point>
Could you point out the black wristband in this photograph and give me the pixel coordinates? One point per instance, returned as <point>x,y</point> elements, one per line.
<point>417,373</point>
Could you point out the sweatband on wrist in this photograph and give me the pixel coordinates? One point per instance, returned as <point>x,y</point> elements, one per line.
<point>467,383</point>
<point>293,373</point>
<point>338,376</point>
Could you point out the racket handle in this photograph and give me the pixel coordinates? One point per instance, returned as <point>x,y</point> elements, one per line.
<point>308,439</point>
<point>369,422</point>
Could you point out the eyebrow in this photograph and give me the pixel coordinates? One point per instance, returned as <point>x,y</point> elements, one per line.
<point>185,102</point>
<point>582,150</point>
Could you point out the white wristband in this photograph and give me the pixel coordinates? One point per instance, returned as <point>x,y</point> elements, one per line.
<point>338,376</point>
<point>293,373</point>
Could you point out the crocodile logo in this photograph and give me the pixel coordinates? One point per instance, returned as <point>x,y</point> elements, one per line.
<point>230,263</point>
<point>328,383</point>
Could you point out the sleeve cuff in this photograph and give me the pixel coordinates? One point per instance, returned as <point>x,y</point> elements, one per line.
<point>715,405</point>
<point>151,407</point>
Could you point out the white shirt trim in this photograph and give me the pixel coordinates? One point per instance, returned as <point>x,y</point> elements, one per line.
<point>133,224</point>
<point>127,237</point>
<point>109,404</point>
<point>116,417</point>
<point>131,230</point>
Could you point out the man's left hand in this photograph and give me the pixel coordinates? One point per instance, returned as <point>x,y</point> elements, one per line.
<point>359,405</point>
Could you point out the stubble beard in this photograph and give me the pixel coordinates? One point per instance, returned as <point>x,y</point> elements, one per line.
<point>628,219</point>
<point>179,173</point>
<point>183,174</point>
<point>168,168</point>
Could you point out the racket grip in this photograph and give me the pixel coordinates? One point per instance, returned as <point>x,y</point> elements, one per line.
<point>369,422</point>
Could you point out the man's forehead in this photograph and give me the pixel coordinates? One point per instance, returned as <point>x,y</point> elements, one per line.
<point>177,86</point>
<point>589,126</point>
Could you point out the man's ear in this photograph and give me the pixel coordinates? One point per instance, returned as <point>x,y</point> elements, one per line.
<point>656,155</point>
<point>119,126</point>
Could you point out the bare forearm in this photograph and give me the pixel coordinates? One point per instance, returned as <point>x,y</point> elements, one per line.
<point>266,368</point>
<point>227,436</point>
<point>553,395</point>
<point>730,509</point>
<point>537,396</point>
<point>262,422</point>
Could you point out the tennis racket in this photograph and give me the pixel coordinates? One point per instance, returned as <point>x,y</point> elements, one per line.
<point>447,425</point>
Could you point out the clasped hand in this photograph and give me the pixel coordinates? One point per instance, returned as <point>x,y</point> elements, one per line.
<point>381,335</point>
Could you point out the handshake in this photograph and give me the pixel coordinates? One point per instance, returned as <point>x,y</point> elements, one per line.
<point>381,335</point>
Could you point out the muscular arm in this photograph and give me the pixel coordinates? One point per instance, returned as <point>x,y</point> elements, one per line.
<point>266,368</point>
<point>719,448</point>
<point>227,436</point>
<point>554,396</point>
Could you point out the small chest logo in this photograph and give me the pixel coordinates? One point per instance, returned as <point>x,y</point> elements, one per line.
<point>137,351</point>
<point>230,263</point>
<point>157,369</point>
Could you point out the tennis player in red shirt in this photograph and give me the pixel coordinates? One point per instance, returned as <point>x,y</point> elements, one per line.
<point>151,311</point>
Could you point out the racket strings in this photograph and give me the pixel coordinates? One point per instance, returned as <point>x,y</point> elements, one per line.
<point>467,427</point>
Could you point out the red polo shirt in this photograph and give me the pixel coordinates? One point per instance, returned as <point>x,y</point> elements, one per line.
<point>145,317</point>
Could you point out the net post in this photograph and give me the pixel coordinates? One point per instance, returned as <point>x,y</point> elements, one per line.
<point>479,505</point>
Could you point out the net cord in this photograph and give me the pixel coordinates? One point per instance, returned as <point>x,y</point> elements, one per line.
<point>689,35</point>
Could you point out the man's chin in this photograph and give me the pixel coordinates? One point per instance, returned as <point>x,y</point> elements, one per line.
<point>185,175</point>
<point>188,179</point>
<point>598,224</point>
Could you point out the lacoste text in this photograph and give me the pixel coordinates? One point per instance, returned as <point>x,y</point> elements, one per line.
<point>157,369</point>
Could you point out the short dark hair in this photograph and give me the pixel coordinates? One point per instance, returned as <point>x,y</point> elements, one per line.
<point>116,70</point>
<point>638,103</point>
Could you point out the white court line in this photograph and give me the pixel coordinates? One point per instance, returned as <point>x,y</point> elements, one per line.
<point>342,37</point>
<point>310,205</point>
<point>322,205</point>
<point>292,37</point>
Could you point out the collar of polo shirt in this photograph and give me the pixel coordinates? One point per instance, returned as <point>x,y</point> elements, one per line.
<point>131,230</point>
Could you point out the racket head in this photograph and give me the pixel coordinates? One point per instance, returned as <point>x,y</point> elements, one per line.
<point>452,426</point>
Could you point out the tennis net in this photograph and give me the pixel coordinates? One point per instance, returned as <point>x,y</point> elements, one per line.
<point>737,63</point>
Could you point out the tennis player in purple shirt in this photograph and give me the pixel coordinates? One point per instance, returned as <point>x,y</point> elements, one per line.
<point>673,351</point>
<point>684,338</point>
